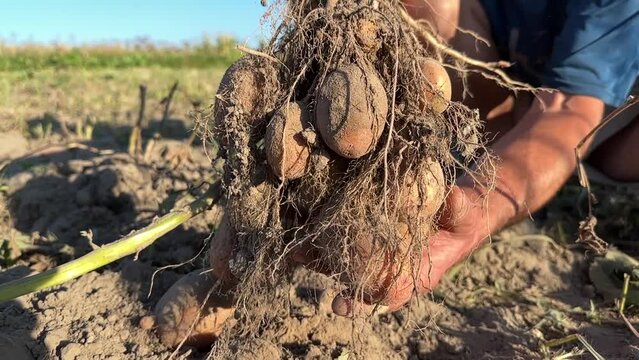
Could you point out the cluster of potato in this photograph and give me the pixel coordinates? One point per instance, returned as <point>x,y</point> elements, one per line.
<point>350,114</point>
<point>351,110</point>
<point>279,134</point>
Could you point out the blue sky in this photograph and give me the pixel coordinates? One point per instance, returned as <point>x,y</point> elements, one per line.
<point>87,21</point>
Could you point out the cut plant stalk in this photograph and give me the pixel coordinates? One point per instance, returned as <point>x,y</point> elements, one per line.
<point>135,139</point>
<point>131,244</point>
<point>622,305</point>
<point>574,338</point>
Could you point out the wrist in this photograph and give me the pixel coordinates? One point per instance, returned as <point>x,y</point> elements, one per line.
<point>476,207</point>
<point>487,209</point>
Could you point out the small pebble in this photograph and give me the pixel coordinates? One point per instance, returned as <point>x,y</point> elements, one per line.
<point>147,322</point>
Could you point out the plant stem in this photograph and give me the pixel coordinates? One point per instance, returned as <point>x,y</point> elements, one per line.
<point>135,139</point>
<point>131,244</point>
<point>624,292</point>
<point>572,338</point>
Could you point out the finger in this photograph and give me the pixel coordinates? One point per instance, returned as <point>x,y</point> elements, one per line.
<point>417,9</point>
<point>455,208</point>
<point>399,298</point>
<point>311,257</point>
<point>345,305</point>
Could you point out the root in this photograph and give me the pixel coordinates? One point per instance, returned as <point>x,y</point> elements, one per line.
<point>366,218</point>
<point>250,51</point>
<point>491,70</point>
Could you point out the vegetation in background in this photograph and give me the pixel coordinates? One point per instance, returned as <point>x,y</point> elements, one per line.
<point>219,52</point>
<point>30,99</point>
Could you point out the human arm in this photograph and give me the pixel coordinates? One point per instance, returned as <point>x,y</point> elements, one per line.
<point>534,160</point>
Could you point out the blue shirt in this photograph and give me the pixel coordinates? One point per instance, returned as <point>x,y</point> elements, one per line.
<point>585,47</point>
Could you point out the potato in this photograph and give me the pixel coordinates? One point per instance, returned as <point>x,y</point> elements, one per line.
<point>351,110</point>
<point>221,250</point>
<point>178,309</point>
<point>423,196</point>
<point>371,265</point>
<point>287,150</point>
<point>241,92</point>
<point>439,92</point>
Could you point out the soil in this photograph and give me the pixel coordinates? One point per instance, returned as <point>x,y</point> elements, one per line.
<point>501,303</point>
<point>14,145</point>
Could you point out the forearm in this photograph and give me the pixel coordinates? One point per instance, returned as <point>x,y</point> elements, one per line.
<point>536,158</point>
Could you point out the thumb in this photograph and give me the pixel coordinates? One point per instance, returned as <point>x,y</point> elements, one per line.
<point>456,207</point>
<point>345,305</point>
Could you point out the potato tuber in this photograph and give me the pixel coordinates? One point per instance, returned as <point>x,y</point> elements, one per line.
<point>287,149</point>
<point>177,311</point>
<point>351,110</point>
<point>439,90</point>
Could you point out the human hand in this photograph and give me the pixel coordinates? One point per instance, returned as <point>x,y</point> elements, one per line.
<point>460,232</point>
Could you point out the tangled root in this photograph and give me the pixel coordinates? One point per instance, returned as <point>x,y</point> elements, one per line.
<point>361,177</point>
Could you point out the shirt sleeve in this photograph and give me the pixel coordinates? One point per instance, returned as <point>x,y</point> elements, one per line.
<point>597,51</point>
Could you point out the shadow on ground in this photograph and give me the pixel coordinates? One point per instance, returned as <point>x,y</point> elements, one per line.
<point>107,134</point>
<point>67,201</point>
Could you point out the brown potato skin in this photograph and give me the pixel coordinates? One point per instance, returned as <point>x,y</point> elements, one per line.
<point>376,261</point>
<point>424,195</point>
<point>220,252</point>
<point>179,308</point>
<point>240,99</point>
<point>351,110</point>
<point>440,91</point>
<point>287,151</point>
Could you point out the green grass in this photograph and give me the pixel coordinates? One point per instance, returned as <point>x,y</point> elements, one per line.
<point>104,95</point>
<point>220,52</point>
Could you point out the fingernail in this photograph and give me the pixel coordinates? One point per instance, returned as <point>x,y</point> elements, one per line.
<point>381,309</point>
<point>341,306</point>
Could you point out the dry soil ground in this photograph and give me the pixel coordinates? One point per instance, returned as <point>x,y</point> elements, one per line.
<point>528,285</point>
